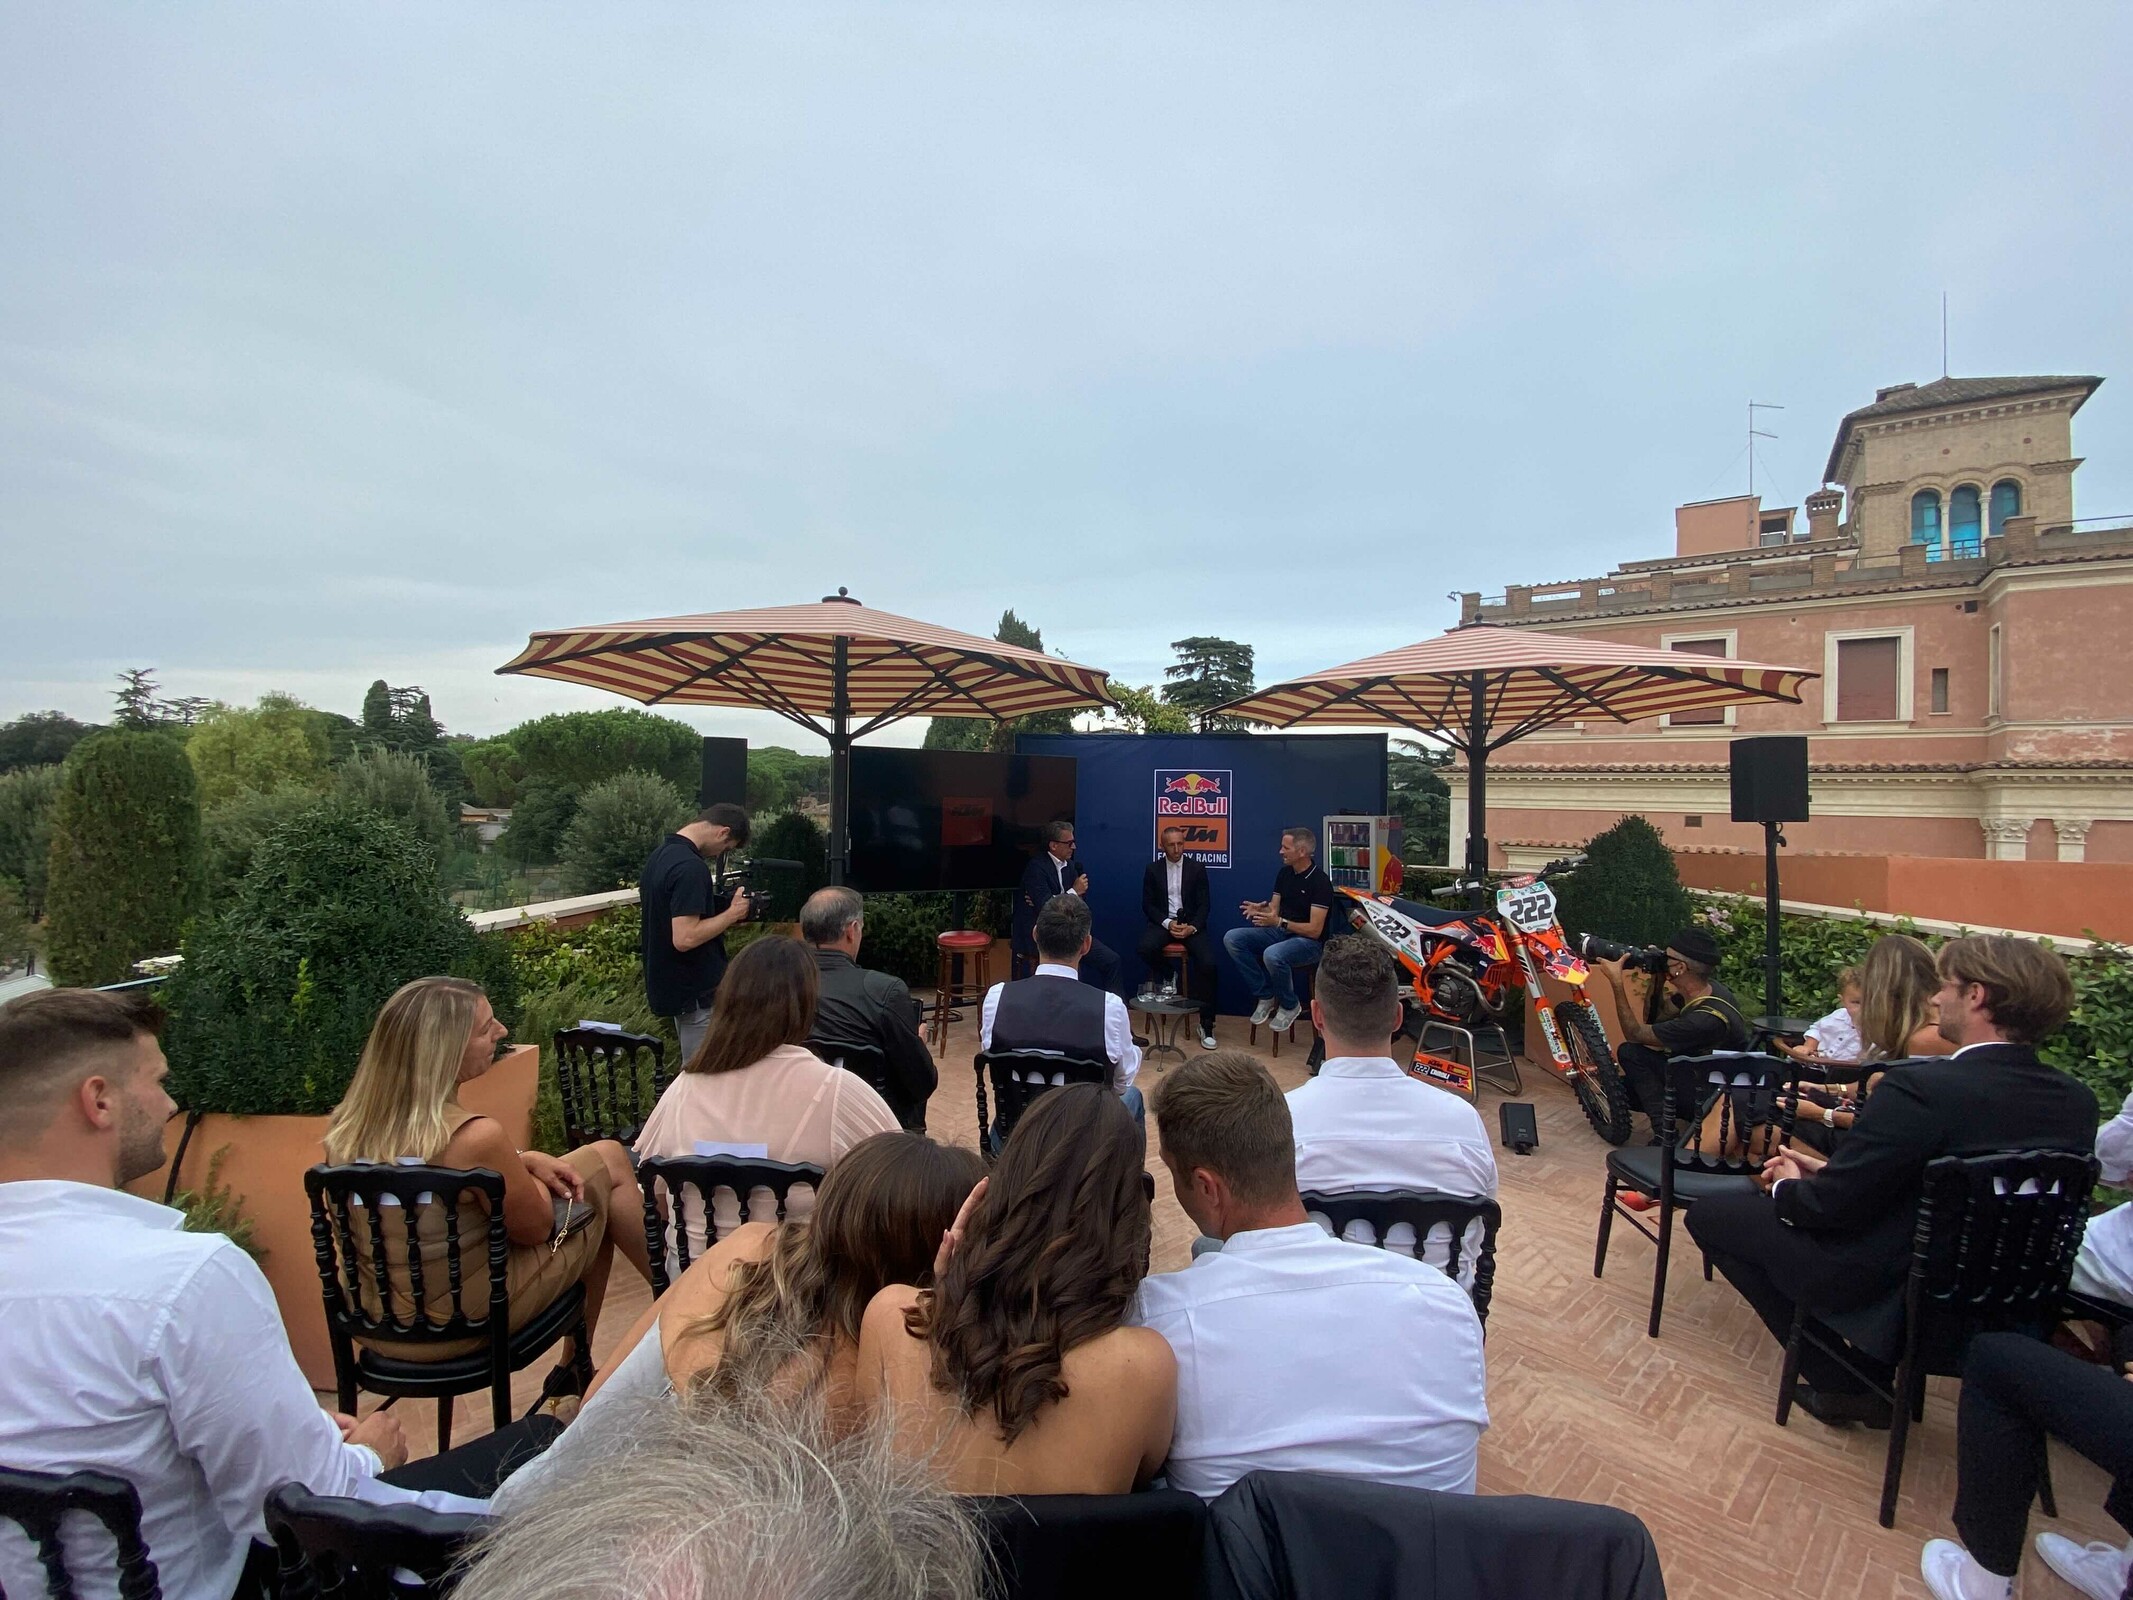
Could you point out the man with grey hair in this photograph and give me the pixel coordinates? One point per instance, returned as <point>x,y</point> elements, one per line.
<point>734,1501</point>
<point>859,1007</point>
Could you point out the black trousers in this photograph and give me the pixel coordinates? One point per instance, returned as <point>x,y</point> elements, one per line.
<point>1647,1072</point>
<point>2017,1390</point>
<point>1199,965</point>
<point>1100,966</point>
<point>1777,1268</point>
<point>476,1468</point>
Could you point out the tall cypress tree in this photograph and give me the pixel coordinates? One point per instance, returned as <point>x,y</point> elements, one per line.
<point>126,856</point>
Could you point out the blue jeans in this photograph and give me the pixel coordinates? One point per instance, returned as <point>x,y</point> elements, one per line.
<point>1268,958</point>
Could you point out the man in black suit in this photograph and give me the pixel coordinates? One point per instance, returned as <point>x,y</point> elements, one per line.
<point>856,1005</point>
<point>1174,902</point>
<point>1059,871</point>
<point>1835,1235</point>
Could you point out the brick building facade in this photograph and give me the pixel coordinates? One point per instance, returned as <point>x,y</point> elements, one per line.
<point>1975,643</point>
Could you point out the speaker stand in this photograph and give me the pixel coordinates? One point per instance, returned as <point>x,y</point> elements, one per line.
<point>1773,986</point>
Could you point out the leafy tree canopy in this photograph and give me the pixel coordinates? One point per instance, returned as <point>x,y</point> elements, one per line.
<point>1418,794</point>
<point>125,861</point>
<point>494,770</point>
<point>398,787</point>
<point>619,824</point>
<point>582,748</point>
<point>1207,673</point>
<point>27,798</point>
<point>1141,710</point>
<point>1628,889</point>
<point>779,779</point>
<point>39,739</point>
<point>280,743</point>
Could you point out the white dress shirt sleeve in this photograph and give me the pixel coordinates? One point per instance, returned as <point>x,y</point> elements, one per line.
<point>2114,1146</point>
<point>1118,1040</point>
<point>992,1005</point>
<point>238,1405</point>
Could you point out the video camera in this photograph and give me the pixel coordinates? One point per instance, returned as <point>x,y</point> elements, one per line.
<point>751,876</point>
<point>1637,957</point>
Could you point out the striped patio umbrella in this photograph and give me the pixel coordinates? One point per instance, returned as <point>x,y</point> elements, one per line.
<point>837,668</point>
<point>1479,688</point>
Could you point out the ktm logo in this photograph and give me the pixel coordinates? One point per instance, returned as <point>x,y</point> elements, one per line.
<point>1193,783</point>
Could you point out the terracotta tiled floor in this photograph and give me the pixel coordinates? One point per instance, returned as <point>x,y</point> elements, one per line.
<point>1678,1429</point>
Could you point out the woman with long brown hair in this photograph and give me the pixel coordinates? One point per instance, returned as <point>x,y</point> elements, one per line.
<point>433,1035</point>
<point>1015,1373</point>
<point>1897,1021</point>
<point>775,1310</point>
<point>754,1082</point>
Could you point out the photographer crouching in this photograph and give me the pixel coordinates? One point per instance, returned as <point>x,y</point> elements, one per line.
<point>1694,1014</point>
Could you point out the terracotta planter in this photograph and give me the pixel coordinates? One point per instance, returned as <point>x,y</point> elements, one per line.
<point>264,1166</point>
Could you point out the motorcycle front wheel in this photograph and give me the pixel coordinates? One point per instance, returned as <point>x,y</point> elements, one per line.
<point>1597,1081</point>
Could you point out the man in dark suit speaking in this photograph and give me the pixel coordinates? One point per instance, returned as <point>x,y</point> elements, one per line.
<point>1055,871</point>
<point>1174,902</point>
<point>1835,1235</point>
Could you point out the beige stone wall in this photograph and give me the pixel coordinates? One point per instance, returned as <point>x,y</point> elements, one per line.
<point>2029,440</point>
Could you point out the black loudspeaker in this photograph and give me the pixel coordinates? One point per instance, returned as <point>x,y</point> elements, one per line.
<point>725,772</point>
<point>1770,779</point>
<point>1521,1129</point>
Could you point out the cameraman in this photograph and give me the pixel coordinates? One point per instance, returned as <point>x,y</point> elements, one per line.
<point>686,916</point>
<point>1701,1015</point>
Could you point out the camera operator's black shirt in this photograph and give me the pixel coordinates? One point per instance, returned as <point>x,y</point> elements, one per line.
<point>676,882</point>
<point>1712,1022</point>
<point>1295,893</point>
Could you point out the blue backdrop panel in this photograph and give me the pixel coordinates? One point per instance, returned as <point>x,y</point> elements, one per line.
<point>1271,781</point>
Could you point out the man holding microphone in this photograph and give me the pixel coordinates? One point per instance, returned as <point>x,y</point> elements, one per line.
<point>686,916</point>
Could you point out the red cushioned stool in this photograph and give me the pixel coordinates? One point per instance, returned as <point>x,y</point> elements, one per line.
<point>950,988</point>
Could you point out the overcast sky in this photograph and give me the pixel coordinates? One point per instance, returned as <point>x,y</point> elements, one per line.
<point>340,343</point>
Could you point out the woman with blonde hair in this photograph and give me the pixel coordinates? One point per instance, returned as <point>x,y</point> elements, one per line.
<point>755,1083</point>
<point>433,1035</point>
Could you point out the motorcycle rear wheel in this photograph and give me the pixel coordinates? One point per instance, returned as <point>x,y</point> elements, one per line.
<point>1597,1081</point>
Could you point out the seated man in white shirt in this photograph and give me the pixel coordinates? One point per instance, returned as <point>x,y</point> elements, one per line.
<point>134,1347</point>
<point>1052,1009</point>
<point>1363,1123</point>
<point>1297,1351</point>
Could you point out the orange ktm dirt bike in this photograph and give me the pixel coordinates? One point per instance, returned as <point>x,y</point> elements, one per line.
<point>1467,968</point>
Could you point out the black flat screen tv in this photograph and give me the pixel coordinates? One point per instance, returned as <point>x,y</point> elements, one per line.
<point>951,819</point>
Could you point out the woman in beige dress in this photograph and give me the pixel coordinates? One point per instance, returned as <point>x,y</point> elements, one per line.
<point>402,1105</point>
<point>1015,1373</point>
<point>754,1082</point>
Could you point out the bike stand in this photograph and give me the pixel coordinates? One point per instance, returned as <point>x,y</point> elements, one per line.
<point>1492,1071</point>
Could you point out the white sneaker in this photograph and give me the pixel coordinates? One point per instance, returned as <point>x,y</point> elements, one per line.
<point>1285,1018</point>
<point>1262,1011</point>
<point>1207,1039</point>
<point>2096,1569</point>
<point>1952,1573</point>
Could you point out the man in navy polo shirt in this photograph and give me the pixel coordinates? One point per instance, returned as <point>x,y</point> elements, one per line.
<point>1288,930</point>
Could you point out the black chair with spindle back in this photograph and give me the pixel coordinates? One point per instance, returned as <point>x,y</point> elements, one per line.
<point>677,1175</point>
<point>336,1549</point>
<point>377,1265</point>
<point>41,1501</point>
<point>870,1065</point>
<point>1755,1096</point>
<point>1993,1249</point>
<point>1018,1077</point>
<point>609,1082</point>
<point>1385,1209</point>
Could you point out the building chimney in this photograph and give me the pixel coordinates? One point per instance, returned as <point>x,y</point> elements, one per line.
<point>1822,508</point>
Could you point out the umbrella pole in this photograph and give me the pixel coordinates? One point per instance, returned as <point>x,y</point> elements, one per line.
<point>840,743</point>
<point>1477,793</point>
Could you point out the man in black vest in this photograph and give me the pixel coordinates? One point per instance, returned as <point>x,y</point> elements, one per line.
<point>1174,902</point>
<point>1835,1234</point>
<point>1054,871</point>
<point>1054,1010</point>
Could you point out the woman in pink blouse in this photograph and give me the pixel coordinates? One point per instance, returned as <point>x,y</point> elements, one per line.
<point>754,1082</point>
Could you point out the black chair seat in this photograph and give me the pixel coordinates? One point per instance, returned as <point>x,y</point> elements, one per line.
<point>1123,1546</point>
<point>331,1546</point>
<point>1639,1169</point>
<point>383,1374</point>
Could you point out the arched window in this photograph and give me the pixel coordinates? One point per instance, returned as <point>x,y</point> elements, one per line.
<point>1925,522</point>
<point>1964,534</point>
<point>2006,502</point>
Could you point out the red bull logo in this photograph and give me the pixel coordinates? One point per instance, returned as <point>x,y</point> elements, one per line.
<point>1198,803</point>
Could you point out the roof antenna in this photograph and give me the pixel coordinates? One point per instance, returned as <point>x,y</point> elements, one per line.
<point>1755,433</point>
<point>1944,333</point>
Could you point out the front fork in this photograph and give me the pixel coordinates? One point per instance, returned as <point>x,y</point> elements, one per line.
<point>1542,1011</point>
